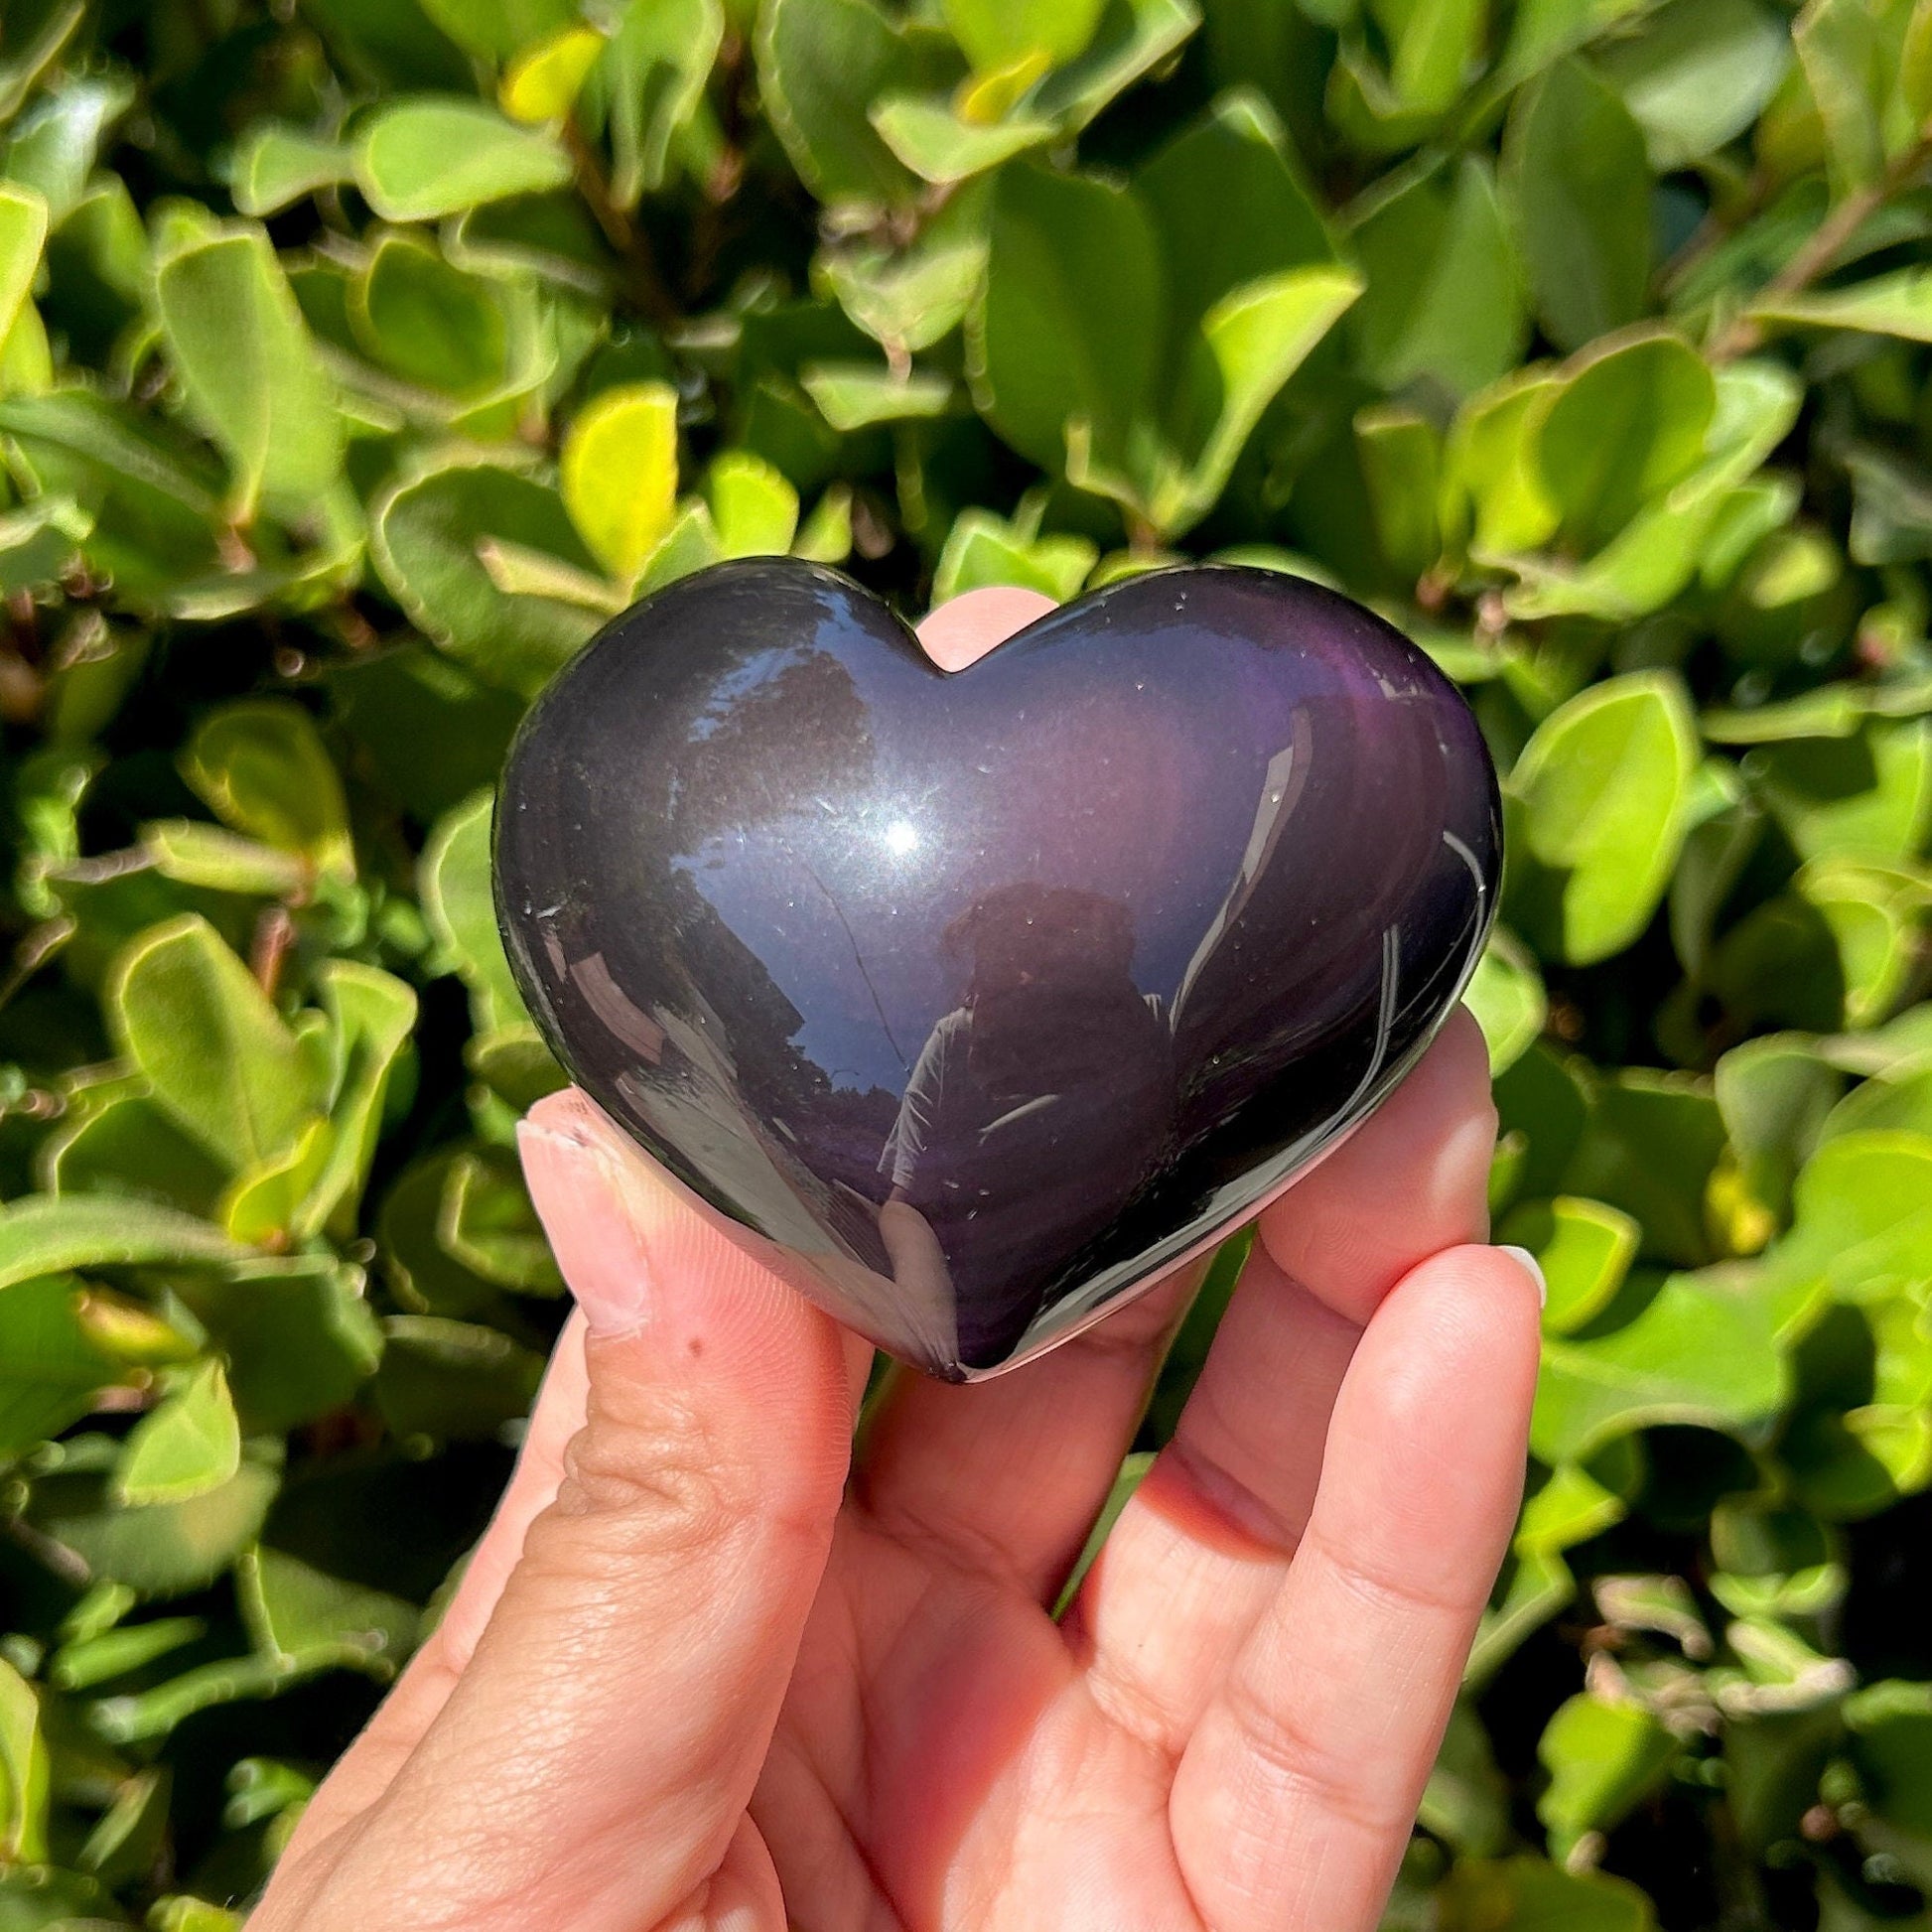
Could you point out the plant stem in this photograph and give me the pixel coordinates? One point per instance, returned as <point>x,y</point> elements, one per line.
<point>1821,249</point>
<point>645,283</point>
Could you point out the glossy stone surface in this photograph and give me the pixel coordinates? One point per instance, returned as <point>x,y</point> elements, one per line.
<point>986,997</point>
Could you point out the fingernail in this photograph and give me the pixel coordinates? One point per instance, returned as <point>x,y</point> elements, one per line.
<point>597,1202</point>
<point>1533,1268</point>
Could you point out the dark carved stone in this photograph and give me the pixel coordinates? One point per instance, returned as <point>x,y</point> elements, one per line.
<point>990,995</point>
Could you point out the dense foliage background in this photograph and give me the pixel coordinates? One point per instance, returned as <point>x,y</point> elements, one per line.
<point>361,355</point>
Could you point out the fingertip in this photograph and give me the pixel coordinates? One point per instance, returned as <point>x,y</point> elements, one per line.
<point>1474,1316</point>
<point>571,1116</point>
<point>1411,1180</point>
<point>965,628</point>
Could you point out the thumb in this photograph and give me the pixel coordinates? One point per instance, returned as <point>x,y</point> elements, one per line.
<point>599,1749</point>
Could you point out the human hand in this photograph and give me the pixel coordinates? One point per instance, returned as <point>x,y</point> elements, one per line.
<point>711,1667</point>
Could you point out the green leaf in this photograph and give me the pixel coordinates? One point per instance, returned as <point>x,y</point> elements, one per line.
<point>1584,1248</point>
<point>982,549</point>
<point>1863,1216</point>
<point>1401,458</point>
<point>1255,339</point>
<point>1567,1508</point>
<point>304,1618</point>
<point>620,473</point>
<point>1537,1584</point>
<point>427,321</point>
<point>1134,36</point>
<point>132,1831</point>
<point>1873,914</point>
<point>275,165</point>
<point>372,1015</point>
<point>496,30</point>
<point>428,536</point>
<point>243,353</point>
<point>1698,76</point>
<point>1603,788</point>
<point>298,1337</point>
<point>691,543</point>
<point>1493,497</point>
<point>1604,1760</point>
<point>1577,185</point>
<point>1436,44</point>
<point>995,34</point>
<point>488,1224</point>
<point>452,1380</point>
<point>753,508</point>
<point>188,1444</point>
<point>86,1661</point>
<point>1851,54</point>
<point>1065,336</point>
<point>194,854</point>
<point>22,230</point>
<point>1691,1348</point>
<point>422,158</point>
<point>50,1364</point>
<point>1649,1145</point>
<point>1444,301</point>
<point>263,1202</point>
<point>166,1548</point>
<point>1775,1094</point>
<point>544,81</point>
<point>1865,797</point>
<point>820,63</point>
<point>1891,1744</point>
<point>216,1056</point>
<point>152,506</point>
<point>25,1771</point>
<point>932,139</point>
<point>656,70</point>
<point>41,44</point>
<point>1527,1896</point>
<point>56,144</point>
<point>911,299</point>
<point>45,1235</point>
<point>184,1914</point>
<point>1506,996</point>
<point>259,764</point>
<point>1899,304</point>
<point>1630,421</point>
<point>1467,1801</point>
<point>1248,297</point>
<point>856,395</point>
<point>458,901</point>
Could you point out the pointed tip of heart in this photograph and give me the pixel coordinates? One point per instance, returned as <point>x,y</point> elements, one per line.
<point>964,629</point>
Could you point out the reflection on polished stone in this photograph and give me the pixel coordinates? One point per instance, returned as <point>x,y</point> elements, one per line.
<point>990,995</point>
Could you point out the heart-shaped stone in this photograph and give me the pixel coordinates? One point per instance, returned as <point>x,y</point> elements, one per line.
<point>987,997</point>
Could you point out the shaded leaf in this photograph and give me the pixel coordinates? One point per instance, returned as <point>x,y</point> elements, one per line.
<point>1577,185</point>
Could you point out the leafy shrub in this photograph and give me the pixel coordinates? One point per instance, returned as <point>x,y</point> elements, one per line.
<point>360,356</point>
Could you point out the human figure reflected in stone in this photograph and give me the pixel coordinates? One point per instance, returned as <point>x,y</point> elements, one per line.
<point>1036,1109</point>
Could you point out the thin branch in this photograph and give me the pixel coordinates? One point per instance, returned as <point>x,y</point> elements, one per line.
<point>1820,250</point>
<point>645,282</point>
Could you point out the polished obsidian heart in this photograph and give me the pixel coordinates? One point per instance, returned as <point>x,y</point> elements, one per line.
<point>986,997</point>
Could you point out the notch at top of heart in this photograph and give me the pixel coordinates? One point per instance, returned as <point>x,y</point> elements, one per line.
<point>965,628</point>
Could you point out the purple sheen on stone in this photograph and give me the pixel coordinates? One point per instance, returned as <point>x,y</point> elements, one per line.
<point>987,997</point>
